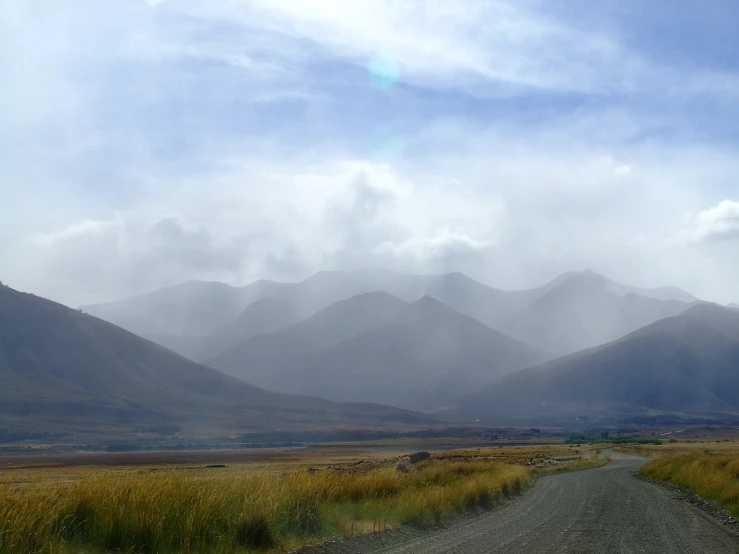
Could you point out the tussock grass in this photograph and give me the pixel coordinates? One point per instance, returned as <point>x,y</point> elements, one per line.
<point>193,511</point>
<point>709,475</point>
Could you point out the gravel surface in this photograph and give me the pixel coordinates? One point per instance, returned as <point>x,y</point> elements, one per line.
<point>603,510</point>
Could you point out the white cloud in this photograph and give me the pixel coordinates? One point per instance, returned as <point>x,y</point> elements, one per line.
<point>447,249</point>
<point>151,142</point>
<point>338,214</point>
<point>512,220</point>
<point>75,231</point>
<point>486,48</point>
<point>438,42</point>
<point>718,222</point>
<point>129,252</point>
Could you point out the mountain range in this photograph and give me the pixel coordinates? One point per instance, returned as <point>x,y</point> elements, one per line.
<point>333,351</point>
<point>65,373</point>
<point>685,364</point>
<point>263,316</point>
<point>377,348</point>
<point>574,311</point>
<point>584,310</point>
<point>420,342</point>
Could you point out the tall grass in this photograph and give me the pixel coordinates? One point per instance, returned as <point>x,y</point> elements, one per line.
<point>196,511</point>
<point>710,476</point>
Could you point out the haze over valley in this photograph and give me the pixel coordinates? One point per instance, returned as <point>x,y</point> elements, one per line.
<point>411,351</point>
<point>432,343</point>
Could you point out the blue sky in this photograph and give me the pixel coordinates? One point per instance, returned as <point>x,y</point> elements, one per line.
<point>150,142</point>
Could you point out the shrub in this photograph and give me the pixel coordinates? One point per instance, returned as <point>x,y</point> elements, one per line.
<point>254,532</point>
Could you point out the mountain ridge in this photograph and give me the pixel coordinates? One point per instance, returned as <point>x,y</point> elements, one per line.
<point>63,372</point>
<point>508,312</point>
<point>684,363</point>
<point>424,346</point>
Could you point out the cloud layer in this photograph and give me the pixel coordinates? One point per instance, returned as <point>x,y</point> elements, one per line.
<point>152,142</point>
<point>720,222</point>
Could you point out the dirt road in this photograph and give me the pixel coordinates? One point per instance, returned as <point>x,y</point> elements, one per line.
<point>604,510</point>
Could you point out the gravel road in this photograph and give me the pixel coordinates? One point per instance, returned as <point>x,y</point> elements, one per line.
<point>603,510</point>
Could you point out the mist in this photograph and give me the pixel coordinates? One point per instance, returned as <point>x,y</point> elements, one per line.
<point>415,341</point>
<point>179,149</point>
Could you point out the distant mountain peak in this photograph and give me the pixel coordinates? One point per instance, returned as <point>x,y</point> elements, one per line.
<point>365,271</point>
<point>427,298</point>
<point>704,309</point>
<point>579,281</point>
<point>366,303</point>
<point>428,307</point>
<point>585,274</point>
<point>684,363</point>
<point>458,278</point>
<point>595,281</point>
<point>201,283</point>
<point>456,275</point>
<point>366,297</point>
<point>428,301</point>
<point>266,305</point>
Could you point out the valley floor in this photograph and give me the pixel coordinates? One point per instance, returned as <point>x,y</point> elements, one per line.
<point>464,500</point>
<point>276,501</point>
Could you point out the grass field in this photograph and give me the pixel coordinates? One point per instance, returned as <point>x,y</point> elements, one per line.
<point>257,506</point>
<point>710,475</point>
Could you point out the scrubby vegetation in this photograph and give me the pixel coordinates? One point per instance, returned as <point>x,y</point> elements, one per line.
<point>709,475</point>
<point>180,510</point>
<point>606,438</point>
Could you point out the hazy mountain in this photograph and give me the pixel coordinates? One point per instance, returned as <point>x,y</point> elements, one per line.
<point>198,308</point>
<point>65,372</point>
<point>261,358</point>
<point>688,363</point>
<point>419,355</point>
<point>454,289</point>
<point>661,293</point>
<point>576,310</point>
<point>263,316</point>
<point>582,310</point>
<point>734,306</point>
<point>190,309</point>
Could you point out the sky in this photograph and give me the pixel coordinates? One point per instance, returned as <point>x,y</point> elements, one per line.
<point>148,142</point>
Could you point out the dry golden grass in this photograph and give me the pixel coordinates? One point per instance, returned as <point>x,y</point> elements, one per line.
<point>180,511</point>
<point>240,509</point>
<point>712,476</point>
